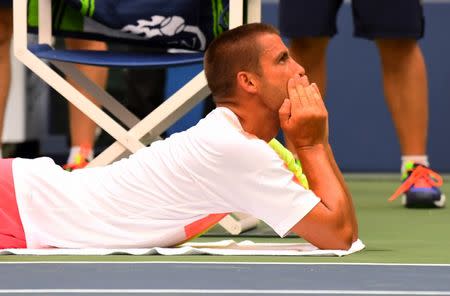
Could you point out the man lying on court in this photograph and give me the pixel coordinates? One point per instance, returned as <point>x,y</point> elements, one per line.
<point>173,190</point>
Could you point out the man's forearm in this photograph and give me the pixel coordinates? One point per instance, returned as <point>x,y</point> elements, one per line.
<point>321,176</point>
<point>304,119</point>
<point>320,169</point>
<point>341,179</point>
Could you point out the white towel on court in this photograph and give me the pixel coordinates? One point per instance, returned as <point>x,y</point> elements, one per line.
<point>224,247</point>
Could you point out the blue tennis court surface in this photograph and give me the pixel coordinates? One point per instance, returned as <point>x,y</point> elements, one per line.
<point>173,278</point>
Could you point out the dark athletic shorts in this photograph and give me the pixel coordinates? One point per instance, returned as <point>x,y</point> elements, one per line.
<point>5,3</point>
<point>372,18</point>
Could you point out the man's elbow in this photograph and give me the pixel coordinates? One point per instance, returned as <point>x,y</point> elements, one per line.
<point>344,237</point>
<point>343,233</point>
<point>333,238</point>
<point>327,229</point>
<point>340,236</point>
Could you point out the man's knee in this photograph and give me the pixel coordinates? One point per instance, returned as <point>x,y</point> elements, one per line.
<point>309,47</point>
<point>396,47</point>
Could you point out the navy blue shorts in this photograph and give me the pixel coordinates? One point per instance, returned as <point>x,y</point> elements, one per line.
<point>372,18</point>
<point>5,3</point>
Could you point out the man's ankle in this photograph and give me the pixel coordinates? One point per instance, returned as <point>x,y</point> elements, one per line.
<point>416,159</point>
<point>85,151</point>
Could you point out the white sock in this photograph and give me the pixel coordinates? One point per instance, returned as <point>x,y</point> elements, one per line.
<point>420,159</point>
<point>75,150</point>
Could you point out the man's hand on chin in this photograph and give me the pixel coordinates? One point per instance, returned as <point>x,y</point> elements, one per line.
<point>303,116</point>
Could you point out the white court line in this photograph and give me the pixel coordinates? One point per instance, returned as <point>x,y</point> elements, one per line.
<point>226,263</point>
<point>218,291</point>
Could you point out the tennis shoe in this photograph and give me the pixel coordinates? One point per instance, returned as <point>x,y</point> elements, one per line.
<point>420,188</point>
<point>79,162</point>
<point>79,159</point>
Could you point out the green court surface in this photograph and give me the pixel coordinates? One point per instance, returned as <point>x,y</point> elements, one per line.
<point>392,234</point>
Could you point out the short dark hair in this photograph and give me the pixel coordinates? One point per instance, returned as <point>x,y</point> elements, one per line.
<point>233,51</point>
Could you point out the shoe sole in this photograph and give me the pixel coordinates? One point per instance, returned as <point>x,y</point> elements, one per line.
<point>424,203</point>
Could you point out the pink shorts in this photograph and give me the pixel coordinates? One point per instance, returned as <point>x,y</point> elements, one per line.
<point>11,229</point>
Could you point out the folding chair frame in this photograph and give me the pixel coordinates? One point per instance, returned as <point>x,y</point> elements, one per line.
<point>142,132</point>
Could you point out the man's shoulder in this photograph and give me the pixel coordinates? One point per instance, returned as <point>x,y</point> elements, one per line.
<point>223,127</point>
<point>221,136</point>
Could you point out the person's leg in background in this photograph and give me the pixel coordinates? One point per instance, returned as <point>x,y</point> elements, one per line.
<point>311,53</point>
<point>395,27</point>
<point>309,24</point>
<point>82,129</point>
<point>5,61</point>
<point>145,90</point>
<point>406,92</point>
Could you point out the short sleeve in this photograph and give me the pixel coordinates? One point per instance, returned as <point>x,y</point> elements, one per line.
<point>256,181</point>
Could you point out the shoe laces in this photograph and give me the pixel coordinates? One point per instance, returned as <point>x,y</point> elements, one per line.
<point>418,175</point>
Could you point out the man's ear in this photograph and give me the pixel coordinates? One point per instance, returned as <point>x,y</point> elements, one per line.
<point>247,82</point>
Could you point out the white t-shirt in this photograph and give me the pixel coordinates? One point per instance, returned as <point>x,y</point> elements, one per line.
<point>161,194</point>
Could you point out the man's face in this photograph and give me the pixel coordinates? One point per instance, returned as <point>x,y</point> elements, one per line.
<point>277,68</point>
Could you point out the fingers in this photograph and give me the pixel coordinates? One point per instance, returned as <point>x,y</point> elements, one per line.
<point>304,100</point>
<point>310,93</point>
<point>316,90</point>
<point>300,96</point>
<point>317,96</point>
<point>294,96</point>
<point>303,94</point>
<point>285,112</point>
<point>304,80</point>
